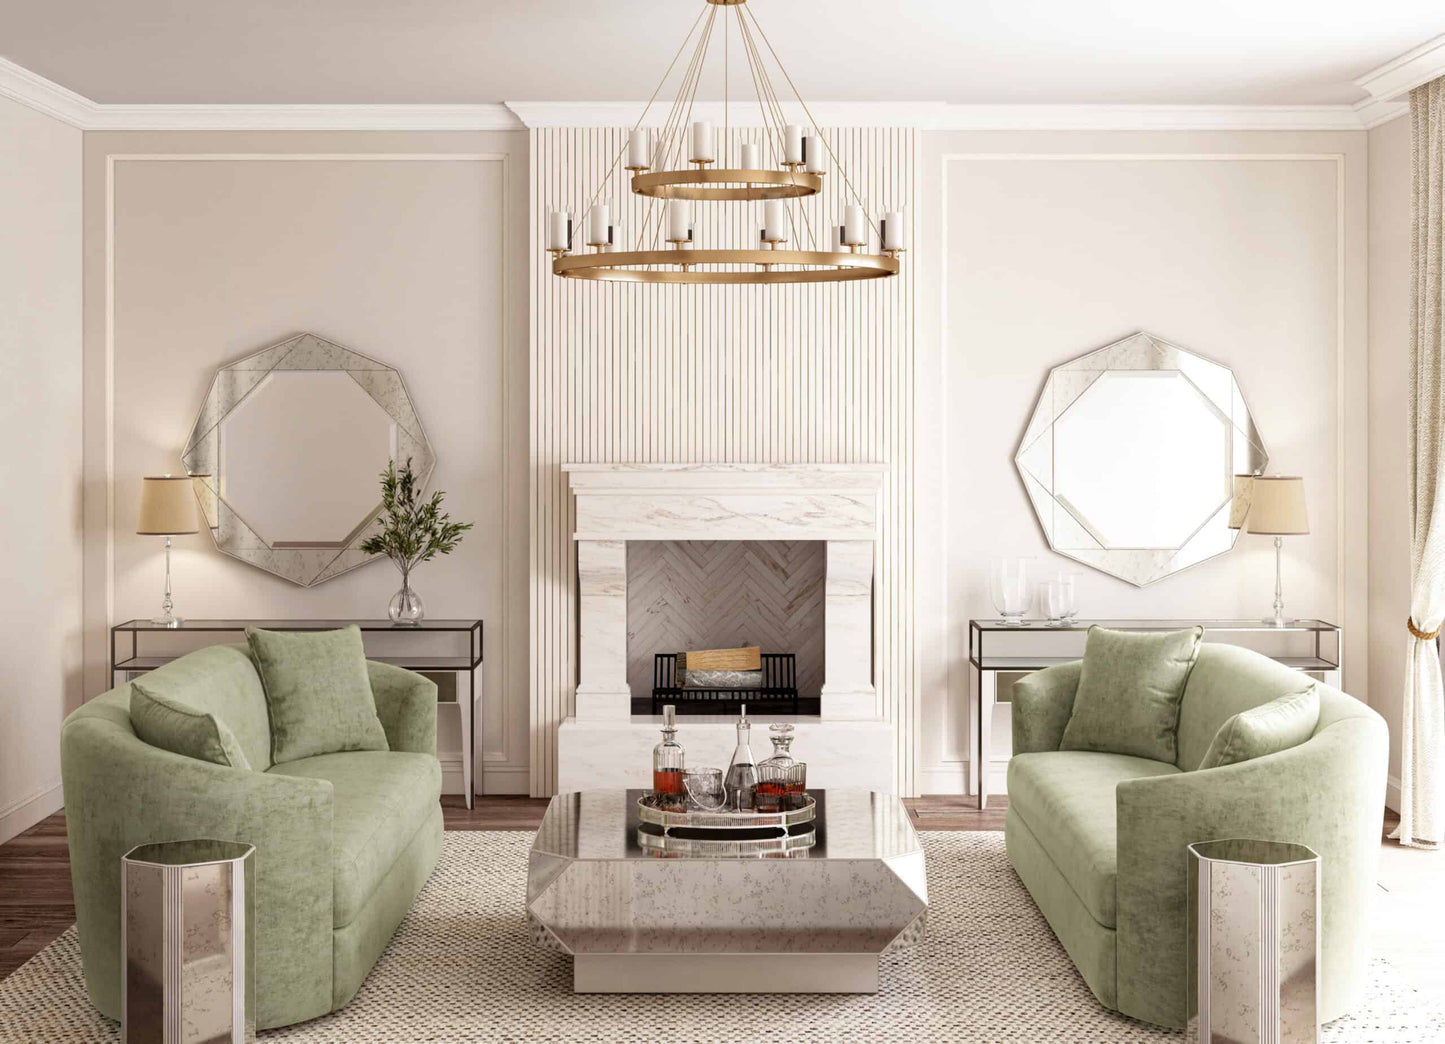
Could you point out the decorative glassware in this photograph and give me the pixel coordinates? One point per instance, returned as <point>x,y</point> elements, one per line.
<point>1009,587</point>
<point>406,608</point>
<point>1057,599</point>
<point>669,788</point>
<point>742,777</point>
<point>781,780</point>
<point>705,789</point>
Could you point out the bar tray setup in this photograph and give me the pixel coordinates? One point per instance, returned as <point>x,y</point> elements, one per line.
<point>725,823</point>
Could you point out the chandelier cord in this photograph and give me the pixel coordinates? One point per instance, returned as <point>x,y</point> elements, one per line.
<point>814,122</point>
<point>645,109</point>
<point>664,141</point>
<point>781,118</point>
<point>695,72</point>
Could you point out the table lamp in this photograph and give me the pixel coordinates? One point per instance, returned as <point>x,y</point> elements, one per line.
<point>167,508</point>
<point>1277,509</point>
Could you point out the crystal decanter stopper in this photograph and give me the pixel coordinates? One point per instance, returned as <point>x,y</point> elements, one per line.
<point>742,777</point>
<point>667,764</point>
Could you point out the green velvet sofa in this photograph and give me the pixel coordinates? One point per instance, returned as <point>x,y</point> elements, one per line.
<point>344,842</point>
<point>1100,839</point>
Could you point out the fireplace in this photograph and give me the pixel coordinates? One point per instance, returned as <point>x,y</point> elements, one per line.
<point>604,743</point>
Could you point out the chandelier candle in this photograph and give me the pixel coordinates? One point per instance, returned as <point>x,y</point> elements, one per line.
<point>701,143</point>
<point>598,225</point>
<point>559,230</point>
<point>679,221</point>
<point>893,231</point>
<point>855,225</point>
<point>775,222</point>
<point>813,155</point>
<point>792,145</point>
<point>751,157</point>
<point>639,149</point>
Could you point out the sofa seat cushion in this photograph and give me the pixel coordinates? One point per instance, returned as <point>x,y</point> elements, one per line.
<point>381,799</point>
<point>1066,798</point>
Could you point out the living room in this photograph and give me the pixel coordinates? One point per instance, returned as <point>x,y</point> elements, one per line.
<point>906,523</point>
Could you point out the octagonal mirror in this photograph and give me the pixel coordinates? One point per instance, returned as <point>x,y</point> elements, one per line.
<point>287,451</point>
<point>1130,456</point>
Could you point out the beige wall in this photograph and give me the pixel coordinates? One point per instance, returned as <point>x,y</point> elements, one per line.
<point>1246,248</point>
<point>40,368</point>
<point>405,247</point>
<point>1389,425</point>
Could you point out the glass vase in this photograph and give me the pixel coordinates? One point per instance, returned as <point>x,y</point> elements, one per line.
<point>406,608</point>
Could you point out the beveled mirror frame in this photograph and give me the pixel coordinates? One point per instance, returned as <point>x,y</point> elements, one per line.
<point>1070,535</point>
<point>305,566</point>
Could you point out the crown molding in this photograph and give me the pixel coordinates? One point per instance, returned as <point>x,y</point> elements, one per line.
<point>20,84</point>
<point>1406,72</point>
<point>1373,112</point>
<point>38,93</point>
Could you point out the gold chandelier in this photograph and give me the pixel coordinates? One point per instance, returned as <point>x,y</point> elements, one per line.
<point>666,248</point>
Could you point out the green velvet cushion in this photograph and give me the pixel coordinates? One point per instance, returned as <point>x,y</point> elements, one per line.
<point>1130,686</point>
<point>318,692</point>
<point>1267,729</point>
<point>182,729</point>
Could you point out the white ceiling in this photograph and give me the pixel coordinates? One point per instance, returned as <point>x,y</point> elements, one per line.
<point>1219,52</point>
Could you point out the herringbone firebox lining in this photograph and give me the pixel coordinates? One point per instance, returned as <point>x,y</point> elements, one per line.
<point>714,594</point>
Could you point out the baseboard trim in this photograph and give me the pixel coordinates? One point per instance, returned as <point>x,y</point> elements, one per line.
<point>494,779</point>
<point>951,777</point>
<point>25,813</point>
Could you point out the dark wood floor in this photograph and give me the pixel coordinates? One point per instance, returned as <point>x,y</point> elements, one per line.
<point>35,898</point>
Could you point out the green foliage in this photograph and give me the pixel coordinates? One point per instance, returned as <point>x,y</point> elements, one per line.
<point>413,531</point>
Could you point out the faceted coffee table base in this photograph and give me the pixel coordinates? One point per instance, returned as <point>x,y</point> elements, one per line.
<point>725,973</point>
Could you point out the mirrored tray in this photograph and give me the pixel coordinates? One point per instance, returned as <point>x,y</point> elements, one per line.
<point>648,812</point>
<point>788,846</point>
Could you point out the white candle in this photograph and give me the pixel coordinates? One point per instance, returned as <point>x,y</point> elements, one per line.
<point>639,149</point>
<point>598,220</point>
<point>775,221</point>
<point>837,231</point>
<point>855,225</point>
<point>793,144</point>
<point>813,154</point>
<point>679,217</point>
<point>752,157</point>
<point>559,230</point>
<point>893,231</point>
<point>701,142</point>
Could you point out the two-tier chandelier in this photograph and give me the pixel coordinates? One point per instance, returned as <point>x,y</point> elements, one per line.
<point>779,175</point>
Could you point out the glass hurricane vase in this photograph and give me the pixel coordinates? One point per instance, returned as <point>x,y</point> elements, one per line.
<point>406,608</point>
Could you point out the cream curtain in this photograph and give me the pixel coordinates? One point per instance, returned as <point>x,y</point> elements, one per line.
<point>1422,734</point>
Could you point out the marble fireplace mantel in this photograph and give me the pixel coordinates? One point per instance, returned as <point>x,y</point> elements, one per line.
<point>836,503</point>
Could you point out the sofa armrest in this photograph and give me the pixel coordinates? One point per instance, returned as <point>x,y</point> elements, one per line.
<point>1327,793</point>
<point>406,703</point>
<point>1042,704</point>
<point>121,792</point>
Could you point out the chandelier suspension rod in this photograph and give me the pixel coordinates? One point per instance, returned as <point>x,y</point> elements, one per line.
<point>645,109</point>
<point>781,118</point>
<point>814,122</point>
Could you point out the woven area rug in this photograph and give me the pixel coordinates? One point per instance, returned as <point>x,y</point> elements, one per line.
<point>463,968</point>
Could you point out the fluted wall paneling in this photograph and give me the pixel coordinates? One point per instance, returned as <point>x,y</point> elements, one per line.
<point>658,373</point>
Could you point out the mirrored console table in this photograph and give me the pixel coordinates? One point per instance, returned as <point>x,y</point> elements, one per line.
<point>999,653</point>
<point>431,647</point>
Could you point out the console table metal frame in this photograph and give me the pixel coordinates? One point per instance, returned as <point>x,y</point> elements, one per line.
<point>984,669</point>
<point>469,664</point>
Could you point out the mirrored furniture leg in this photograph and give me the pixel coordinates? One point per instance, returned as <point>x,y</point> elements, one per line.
<point>1314,647</point>
<point>431,647</point>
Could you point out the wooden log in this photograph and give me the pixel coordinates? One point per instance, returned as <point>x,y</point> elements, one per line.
<point>749,658</point>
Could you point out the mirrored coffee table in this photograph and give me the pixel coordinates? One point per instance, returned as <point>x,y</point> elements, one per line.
<point>641,917</point>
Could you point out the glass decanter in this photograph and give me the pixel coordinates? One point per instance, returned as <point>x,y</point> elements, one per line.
<point>742,777</point>
<point>781,779</point>
<point>668,783</point>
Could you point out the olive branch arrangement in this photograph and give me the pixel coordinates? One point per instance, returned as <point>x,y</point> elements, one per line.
<point>413,531</point>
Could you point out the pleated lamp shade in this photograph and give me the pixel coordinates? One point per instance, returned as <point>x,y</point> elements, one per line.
<point>1277,506</point>
<point>167,506</point>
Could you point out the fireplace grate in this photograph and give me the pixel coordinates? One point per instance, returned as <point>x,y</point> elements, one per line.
<point>780,686</point>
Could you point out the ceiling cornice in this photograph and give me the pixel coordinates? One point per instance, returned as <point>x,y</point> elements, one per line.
<point>28,88</point>
<point>1406,72</point>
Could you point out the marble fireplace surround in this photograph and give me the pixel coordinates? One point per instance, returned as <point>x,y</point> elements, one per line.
<point>604,744</point>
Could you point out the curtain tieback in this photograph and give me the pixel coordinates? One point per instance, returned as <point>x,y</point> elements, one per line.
<point>1424,636</point>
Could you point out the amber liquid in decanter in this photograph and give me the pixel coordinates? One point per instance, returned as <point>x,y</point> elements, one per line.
<point>668,788</point>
